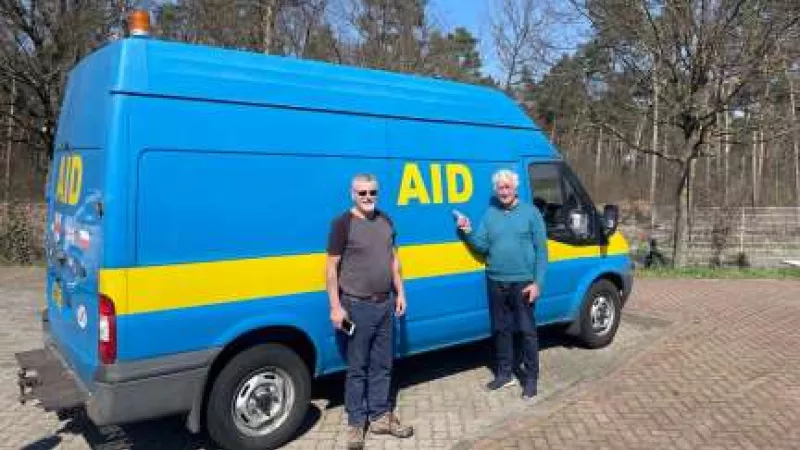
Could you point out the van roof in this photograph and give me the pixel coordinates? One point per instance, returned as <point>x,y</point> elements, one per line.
<point>196,72</point>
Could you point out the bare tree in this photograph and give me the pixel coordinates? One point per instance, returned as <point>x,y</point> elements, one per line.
<point>40,41</point>
<point>519,32</point>
<point>700,47</point>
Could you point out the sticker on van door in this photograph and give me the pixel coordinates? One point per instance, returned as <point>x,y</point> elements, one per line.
<point>56,227</point>
<point>70,179</point>
<point>58,295</point>
<point>82,317</point>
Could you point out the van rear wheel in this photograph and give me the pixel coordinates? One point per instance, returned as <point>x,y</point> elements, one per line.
<point>600,315</point>
<point>259,399</point>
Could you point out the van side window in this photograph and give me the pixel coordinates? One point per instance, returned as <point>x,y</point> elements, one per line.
<point>557,193</point>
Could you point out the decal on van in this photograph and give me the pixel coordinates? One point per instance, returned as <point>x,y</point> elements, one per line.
<point>70,179</point>
<point>457,179</point>
<point>82,317</point>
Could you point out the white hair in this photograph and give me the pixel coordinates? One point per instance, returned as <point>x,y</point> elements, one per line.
<point>365,178</point>
<point>505,175</point>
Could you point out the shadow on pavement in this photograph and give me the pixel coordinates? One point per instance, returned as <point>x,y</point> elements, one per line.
<point>437,364</point>
<point>170,433</point>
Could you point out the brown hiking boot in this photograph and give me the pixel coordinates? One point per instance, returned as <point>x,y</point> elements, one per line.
<point>355,437</point>
<point>390,424</point>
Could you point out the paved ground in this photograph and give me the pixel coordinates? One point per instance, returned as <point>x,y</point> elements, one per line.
<point>440,393</point>
<point>724,374</point>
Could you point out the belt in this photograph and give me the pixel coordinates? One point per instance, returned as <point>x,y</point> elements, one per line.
<point>376,297</point>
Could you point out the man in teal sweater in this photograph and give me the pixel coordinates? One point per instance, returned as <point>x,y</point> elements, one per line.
<point>513,237</point>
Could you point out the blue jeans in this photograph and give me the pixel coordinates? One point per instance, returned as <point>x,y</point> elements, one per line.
<point>369,360</point>
<point>511,312</point>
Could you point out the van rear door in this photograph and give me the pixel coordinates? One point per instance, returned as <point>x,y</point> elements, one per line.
<point>73,246</point>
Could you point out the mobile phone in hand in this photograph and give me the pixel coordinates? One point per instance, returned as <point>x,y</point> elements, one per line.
<point>462,221</point>
<point>348,327</point>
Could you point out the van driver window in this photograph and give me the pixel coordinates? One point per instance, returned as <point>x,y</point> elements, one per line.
<point>556,196</point>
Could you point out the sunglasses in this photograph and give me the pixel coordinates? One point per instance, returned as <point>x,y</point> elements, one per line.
<point>372,193</point>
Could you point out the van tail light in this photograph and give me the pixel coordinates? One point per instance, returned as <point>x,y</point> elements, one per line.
<point>107,331</point>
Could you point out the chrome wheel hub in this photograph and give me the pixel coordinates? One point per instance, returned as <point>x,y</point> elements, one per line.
<point>602,314</point>
<point>263,401</point>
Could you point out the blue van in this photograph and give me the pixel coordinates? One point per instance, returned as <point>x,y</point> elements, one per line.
<point>189,203</point>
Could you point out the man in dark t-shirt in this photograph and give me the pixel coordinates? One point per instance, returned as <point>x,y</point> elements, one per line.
<point>365,286</point>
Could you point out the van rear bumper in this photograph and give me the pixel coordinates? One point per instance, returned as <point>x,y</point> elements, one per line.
<point>119,393</point>
<point>129,392</point>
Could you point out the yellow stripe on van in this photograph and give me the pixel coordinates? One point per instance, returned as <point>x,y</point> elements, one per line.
<point>556,251</point>
<point>158,288</point>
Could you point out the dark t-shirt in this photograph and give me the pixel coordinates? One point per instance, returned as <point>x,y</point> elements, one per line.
<point>366,247</point>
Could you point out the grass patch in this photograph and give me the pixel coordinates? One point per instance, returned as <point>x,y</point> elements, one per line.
<point>782,273</point>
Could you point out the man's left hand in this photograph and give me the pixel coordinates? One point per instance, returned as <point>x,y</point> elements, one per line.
<point>400,306</point>
<point>531,292</point>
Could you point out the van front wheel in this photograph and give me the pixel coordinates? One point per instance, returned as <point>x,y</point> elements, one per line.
<point>259,399</point>
<point>600,315</point>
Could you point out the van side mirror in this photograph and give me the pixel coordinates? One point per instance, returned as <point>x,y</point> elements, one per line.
<point>610,219</point>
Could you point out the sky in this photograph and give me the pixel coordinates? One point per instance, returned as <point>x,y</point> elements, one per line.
<point>474,15</point>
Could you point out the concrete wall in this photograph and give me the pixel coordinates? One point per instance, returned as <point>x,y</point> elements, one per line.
<point>765,236</point>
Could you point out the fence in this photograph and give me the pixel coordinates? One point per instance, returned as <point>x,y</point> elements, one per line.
<point>762,237</point>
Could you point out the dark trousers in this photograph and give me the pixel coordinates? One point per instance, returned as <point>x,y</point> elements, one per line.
<point>369,360</point>
<point>511,312</point>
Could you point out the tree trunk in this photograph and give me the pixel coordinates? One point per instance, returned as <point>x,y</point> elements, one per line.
<point>597,162</point>
<point>690,192</point>
<point>270,14</point>
<point>577,131</point>
<point>755,162</point>
<point>776,176</point>
<point>726,161</point>
<point>795,135</point>
<point>653,160</point>
<point>715,195</point>
<point>707,183</point>
<point>762,161</point>
<point>7,178</point>
<point>759,149</point>
<point>634,156</point>
<point>742,179</point>
<point>637,183</point>
<point>681,218</point>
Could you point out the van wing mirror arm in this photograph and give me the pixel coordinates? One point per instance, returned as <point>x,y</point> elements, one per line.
<point>610,219</point>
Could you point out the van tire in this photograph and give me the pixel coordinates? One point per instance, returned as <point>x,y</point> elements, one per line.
<point>603,297</point>
<point>245,373</point>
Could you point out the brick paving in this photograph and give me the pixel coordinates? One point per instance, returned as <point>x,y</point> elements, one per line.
<point>726,376</point>
<point>440,393</point>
